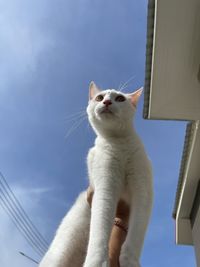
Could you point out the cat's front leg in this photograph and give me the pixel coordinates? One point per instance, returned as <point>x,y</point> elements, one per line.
<point>140,210</point>
<point>103,211</point>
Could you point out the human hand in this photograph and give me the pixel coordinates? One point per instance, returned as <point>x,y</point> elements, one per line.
<point>119,230</point>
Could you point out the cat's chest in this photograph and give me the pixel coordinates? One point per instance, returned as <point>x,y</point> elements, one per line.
<point>107,155</point>
<point>126,158</point>
<point>114,161</point>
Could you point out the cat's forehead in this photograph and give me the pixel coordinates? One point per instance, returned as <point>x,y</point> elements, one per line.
<point>111,92</point>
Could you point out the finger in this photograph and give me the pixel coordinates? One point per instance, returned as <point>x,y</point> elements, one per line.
<point>123,210</point>
<point>90,193</point>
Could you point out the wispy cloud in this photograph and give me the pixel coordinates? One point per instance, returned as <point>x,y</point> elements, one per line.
<point>22,41</point>
<point>11,240</point>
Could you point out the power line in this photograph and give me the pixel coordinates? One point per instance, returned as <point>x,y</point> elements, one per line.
<point>21,211</point>
<point>17,217</point>
<point>23,254</point>
<point>21,220</point>
<point>20,226</point>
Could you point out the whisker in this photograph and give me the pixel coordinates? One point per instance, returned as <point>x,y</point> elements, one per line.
<point>119,86</point>
<point>75,117</point>
<point>88,126</point>
<point>75,114</point>
<point>75,126</point>
<point>125,85</point>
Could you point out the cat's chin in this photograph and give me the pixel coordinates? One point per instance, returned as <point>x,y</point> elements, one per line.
<point>106,116</point>
<point>106,111</point>
<point>101,111</point>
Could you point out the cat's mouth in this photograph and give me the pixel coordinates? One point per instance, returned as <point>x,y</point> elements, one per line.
<point>106,111</point>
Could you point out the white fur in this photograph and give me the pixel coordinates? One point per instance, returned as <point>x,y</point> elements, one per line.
<point>69,246</point>
<point>118,168</point>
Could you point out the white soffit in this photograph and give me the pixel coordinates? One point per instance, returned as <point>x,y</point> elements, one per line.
<point>188,183</point>
<point>172,83</point>
<point>191,176</point>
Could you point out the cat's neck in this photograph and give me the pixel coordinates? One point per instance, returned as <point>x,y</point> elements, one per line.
<point>123,136</point>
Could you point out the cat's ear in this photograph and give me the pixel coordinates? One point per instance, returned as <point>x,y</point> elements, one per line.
<point>135,96</point>
<point>93,90</point>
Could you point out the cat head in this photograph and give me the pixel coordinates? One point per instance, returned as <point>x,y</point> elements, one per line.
<point>111,112</point>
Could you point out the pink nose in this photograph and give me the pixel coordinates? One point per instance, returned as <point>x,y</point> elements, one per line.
<point>107,102</point>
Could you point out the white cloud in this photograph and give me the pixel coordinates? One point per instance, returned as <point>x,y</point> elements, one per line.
<point>30,199</point>
<point>21,41</point>
<point>11,240</point>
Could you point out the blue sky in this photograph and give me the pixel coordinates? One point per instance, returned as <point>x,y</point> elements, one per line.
<point>50,51</point>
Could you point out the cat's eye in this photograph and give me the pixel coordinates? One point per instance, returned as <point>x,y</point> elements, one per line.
<point>99,98</point>
<point>120,98</point>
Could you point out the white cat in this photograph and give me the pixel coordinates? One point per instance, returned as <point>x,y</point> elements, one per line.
<point>118,168</point>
